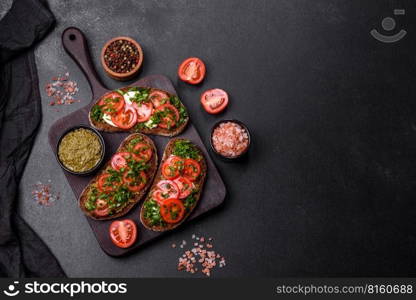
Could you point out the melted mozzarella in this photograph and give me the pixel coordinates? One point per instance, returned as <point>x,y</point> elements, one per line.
<point>150,124</point>
<point>128,96</point>
<point>107,119</point>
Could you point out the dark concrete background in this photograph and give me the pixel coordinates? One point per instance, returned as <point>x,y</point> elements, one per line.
<point>328,188</point>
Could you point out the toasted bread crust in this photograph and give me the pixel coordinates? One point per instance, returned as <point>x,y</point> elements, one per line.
<point>102,126</point>
<point>158,177</point>
<point>137,196</point>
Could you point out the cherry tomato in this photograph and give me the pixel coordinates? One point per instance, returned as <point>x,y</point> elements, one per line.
<point>172,167</point>
<point>214,101</point>
<point>119,160</point>
<point>126,118</point>
<point>144,111</point>
<point>156,97</point>
<point>185,187</point>
<point>142,152</point>
<point>104,185</point>
<point>192,70</point>
<point>135,184</point>
<point>101,209</point>
<point>123,233</point>
<point>169,189</point>
<point>191,169</point>
<point>172,210</point>
<point>172,116</point>
<point>112,102</point>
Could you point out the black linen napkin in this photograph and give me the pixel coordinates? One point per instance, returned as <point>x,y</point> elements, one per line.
<point>22,252</point>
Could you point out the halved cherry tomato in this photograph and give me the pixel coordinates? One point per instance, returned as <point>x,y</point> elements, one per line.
<point>104,185</point>
<point>185,186</point>
<point>112,102</point>
<point>172,210</point>
<point>119,160</point>
<point>172,167</point>
<point>171,115</point>
<point>144,111</point>
<point>214,101</point>
<point>191,169</point>
<point>169,189</point>
<point>192,70</point>
<point>125,118</point>
<point>135,184</point>
<point>142,152</point>
<point>123,233</point>
<point>156,97</point>
<point>101,209</point>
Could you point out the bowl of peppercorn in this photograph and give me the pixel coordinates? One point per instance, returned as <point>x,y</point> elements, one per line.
<point>122,58</point>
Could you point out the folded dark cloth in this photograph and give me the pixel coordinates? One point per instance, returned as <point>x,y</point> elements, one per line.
<point>22,252</point>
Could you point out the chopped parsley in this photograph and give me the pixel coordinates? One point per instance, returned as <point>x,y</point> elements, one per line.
<point>183,114</point>
<point>189,201</point>
<point>152,213</point>
<point>141,94</point>
<point>97,113</point>
<point>185,149</point>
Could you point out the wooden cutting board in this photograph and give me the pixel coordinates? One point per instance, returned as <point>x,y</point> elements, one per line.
<point>214,191</point>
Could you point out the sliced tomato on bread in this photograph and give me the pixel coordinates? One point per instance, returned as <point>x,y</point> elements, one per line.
<point>176,190</point>
<point>122,182</point>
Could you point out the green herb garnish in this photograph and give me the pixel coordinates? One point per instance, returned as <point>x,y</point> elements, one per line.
<point>97,113</point>
<point>186,149</point>
<point>183,114</point>
<point>152,213</point>
<point>189,201</point>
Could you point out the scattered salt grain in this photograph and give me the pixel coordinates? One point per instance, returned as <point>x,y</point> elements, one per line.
<point>198,256</point>
<point>44,194</point>
<point>62,90</point>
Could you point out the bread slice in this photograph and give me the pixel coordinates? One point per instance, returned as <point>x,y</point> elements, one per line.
<point>138,195</point>
<point>103,126</point>
<point>199,184</point>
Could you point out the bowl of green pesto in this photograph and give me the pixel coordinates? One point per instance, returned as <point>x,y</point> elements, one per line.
<point>80,150</point>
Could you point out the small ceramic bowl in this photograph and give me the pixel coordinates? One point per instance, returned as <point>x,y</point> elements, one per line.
<point>122,76</point>
<point>230,158</point>
<point>100,137</point>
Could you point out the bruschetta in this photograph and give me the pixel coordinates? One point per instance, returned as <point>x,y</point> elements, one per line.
<point>123,181</point>
<point>177,187</point>
<point>139,109</point>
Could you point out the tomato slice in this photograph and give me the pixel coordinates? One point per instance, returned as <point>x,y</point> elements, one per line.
<point>171,115</point>
<point>192,70</point>
<point>144,111</point>
<point>172,210</point>
<point>112,103</point>
<point>172,167</point>
<point>123,233</point>
<point>101,209</point>
<point>156,97</point>
<point>126,118</point>
<point>104,185</point>
<point>214,101</point>
<point>142,152</point>
<point>119,160</point>
<point>135,184</point>
<point>191,169</point>
<point>185,187</point>
<point>158,196</point>
<point>169,189</point>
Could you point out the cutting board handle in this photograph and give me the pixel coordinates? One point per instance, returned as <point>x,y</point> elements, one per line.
<point>75,44</point>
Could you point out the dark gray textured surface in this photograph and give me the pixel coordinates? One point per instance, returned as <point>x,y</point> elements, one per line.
<point>329,186</point>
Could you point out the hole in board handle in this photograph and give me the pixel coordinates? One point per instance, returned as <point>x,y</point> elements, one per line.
<point>72,37</point>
